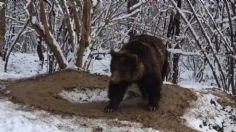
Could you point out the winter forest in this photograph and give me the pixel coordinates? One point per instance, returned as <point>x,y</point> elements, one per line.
<point>55,64</point>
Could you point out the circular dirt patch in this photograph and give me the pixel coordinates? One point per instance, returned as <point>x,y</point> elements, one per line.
<point>40,92</point>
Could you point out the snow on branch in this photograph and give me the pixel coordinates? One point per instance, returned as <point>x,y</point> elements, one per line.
<point>210,45</point>
<point>181,52</point>
<point>233,56</point>
<point>1,4</point>
<point>126,15</point>
<point>215,24</point>
<point>197,53</point>
<point>138,4</point>
<point>196,37</point>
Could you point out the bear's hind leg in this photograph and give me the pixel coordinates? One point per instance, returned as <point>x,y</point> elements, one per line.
<point>115,93</point>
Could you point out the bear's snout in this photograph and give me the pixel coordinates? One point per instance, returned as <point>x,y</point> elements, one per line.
<point>115,77</point>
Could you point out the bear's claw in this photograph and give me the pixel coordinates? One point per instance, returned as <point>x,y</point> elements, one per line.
<point>109,109</point>
<point>153,108</point>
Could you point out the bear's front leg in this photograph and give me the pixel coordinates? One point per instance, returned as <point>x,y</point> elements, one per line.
<point>115,93</point>
<point>153,86</point>
<point>154,97</point>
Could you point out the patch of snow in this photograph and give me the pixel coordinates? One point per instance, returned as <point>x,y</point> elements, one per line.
<point>34,20</point>
<point>207,114</point>
<point>84,95</point>
<point>101,67</point>
<point>14,119</point>
<point>195,85</point>
<point>21,65</point>
<point>94,3</point>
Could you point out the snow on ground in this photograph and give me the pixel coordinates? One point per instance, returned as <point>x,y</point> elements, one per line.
<point>207,114</point>
<point>84,95</point>
<point>21,65</point>
<point>192,85</point>
<point>13,118</point>
<point>101,66</point>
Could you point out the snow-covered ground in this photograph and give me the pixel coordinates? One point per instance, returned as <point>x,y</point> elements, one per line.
<point>21,65</point>
<point>101,66</point>
<point>206,113</point>
<point>84,95</point>
<point>15,118</point>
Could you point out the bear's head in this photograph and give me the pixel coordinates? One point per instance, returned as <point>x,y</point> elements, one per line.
<point>125,67</point>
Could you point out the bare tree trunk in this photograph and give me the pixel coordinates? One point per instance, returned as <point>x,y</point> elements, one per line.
<point>14,42</point>
<point>173,31</point>
<point>85,34</point>
<point>51,59</point>
<point>69,25</point>
<point>40,52</point>
<point>47,35</point>
<point>2,28</point>
<point>76,18</point>
<point>231,62</point>
<point>129,5</point>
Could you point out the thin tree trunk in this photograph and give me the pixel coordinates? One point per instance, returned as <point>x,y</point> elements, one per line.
<point>71,32</point>
<point>85,34</point>
<point>50,40</point>
<point>40,52</point>
<point>130,4</point>
<point>231,61</point>
<point>14,42</point>
<point>173,31</point>
<point>77,22</point>
<point>46,34</point>
<point>2,28</point>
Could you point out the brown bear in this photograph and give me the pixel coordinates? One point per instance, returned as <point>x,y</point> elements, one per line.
<point>144,61</point>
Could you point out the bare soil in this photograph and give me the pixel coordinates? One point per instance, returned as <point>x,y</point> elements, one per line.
<point>41,92</point>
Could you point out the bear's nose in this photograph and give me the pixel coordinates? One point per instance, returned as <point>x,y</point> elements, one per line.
<point>115,77</point>
<point>114,81</point>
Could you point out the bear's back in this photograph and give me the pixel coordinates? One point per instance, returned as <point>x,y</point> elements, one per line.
<point>150,50</point>
<point>154,42</point>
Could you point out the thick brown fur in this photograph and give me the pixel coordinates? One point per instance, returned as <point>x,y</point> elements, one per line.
<point>143,60</point>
